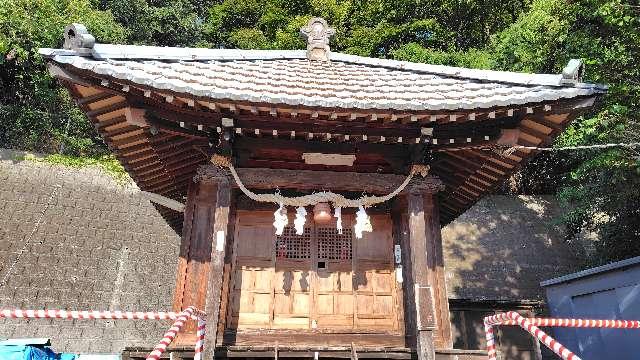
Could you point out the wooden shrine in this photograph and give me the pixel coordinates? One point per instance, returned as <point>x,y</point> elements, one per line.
<point>302,122</point>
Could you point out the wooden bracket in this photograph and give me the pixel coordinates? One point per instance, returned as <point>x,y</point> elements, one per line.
<point>168,127</point>
<point>224,140</point>
<point>421,154</point>
<point>421,151</point>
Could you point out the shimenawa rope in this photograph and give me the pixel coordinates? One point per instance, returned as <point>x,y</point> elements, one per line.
<point>507,150</point>
<point>323,196</point>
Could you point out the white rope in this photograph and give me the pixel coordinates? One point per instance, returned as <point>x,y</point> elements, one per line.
<point>524,147</point>
<point>323,196</point>
<point>580,147</point>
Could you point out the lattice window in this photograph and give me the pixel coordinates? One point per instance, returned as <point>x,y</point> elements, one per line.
<point>334,246</point>
<point>289,245</point>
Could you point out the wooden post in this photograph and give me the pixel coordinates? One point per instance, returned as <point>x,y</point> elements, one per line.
<point>426,302</point>
<point>436,272</point>
<point>201,263</point>
<point>216,273</point>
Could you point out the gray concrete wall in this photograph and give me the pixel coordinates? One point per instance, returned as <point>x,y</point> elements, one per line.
<point>504,246</point>
<point>100,246</point>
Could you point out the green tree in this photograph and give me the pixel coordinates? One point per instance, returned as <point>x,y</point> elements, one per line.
<point>35,114</point>
<point>599,188</point>
<point>160,23</point>
<point>363,27</point>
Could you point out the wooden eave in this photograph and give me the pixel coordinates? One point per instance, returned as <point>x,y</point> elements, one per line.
<point>163,154</point>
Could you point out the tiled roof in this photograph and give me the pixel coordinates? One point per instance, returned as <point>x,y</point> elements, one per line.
<point>346,81</point>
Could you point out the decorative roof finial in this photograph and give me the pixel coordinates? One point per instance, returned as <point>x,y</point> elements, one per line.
<point>76,37</point>
<point>573,72</point>
<point>317,33</point>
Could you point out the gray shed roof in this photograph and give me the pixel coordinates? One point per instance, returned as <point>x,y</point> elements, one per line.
<point>345,81</point>
<point>615,266</point>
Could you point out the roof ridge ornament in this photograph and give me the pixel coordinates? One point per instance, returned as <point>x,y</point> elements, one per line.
<point>317,32</point>
<point>77,38</point>
<point>573,72</point>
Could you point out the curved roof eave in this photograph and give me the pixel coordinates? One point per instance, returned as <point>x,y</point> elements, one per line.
<point>159,53</point>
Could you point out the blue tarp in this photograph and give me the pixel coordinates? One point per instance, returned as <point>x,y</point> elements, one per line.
<point>22,352</point>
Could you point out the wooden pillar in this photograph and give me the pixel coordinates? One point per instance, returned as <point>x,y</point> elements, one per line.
<point>221,233</point>
<point>426,302</point>
<point>202,251</point>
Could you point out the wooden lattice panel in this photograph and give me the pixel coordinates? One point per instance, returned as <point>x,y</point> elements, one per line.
<point>290,245</point>
<point>334,246</point>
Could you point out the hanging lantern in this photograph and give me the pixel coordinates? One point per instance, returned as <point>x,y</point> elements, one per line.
<point>322,213</point>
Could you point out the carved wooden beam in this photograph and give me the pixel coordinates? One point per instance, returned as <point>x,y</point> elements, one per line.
<point>266,124</point>
<point>269,179</point>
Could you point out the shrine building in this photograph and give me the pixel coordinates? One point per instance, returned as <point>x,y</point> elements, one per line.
<point>310,186</point>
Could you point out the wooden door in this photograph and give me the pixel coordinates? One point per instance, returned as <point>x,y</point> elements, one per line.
<point>320,280</point>
<point>377,303</point>
<point>333,285</point>
<point>292,287</point>
<point>251,288</point>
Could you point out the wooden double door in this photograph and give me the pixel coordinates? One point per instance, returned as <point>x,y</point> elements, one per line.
<point>318,281</point>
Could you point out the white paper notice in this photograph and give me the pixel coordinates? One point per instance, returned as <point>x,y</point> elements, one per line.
<point>397,253</point>
<point>220,240</point>
<point>399,274</point>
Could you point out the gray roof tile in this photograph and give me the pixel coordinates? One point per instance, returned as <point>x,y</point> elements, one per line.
<point>346,81</point>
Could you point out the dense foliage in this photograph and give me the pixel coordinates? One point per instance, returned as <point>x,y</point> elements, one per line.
<point>601,187</point>
<point>35,113</point>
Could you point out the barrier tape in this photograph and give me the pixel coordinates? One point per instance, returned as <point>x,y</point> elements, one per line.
<point>69,315</point>
<point>171,334</point>
<point>531,325</point>
<point>491,344</point>
<point>581,323</point>
<point>200,333</point>
<point>179,317</point>
<point>514,317</point>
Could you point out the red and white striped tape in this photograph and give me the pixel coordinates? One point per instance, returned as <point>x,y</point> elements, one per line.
<point>179,317</point>
<point>581,323</point>
<point>513,318</point>
<point>200,333</point>
<point>531,325</point>
<point>171,334</point>
<point>69,315</point>
<point>491,344</point>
